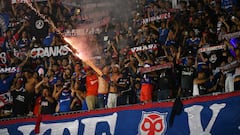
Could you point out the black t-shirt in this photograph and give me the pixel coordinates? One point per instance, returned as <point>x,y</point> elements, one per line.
<point>47,107</point>
<point>187,75</point>
<point>39,27</point>
<point>202,88</point>
<point>20,101</point>
<point>124,84</point>
<point>164,80</point>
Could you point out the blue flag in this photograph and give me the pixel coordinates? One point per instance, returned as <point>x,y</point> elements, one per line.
<point>4,21</point>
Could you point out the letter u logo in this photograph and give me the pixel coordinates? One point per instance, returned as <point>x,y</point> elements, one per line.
<point>153,123</point>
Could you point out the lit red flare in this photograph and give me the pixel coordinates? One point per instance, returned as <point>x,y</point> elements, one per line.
<point>82,52</point>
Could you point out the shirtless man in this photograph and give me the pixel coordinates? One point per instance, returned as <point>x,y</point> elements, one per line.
<point>30,81</point>
<point>30,87</point>
<point>113,92</point>
<point>103,88</point>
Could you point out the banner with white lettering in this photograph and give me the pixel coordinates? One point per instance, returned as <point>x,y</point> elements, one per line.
<point>209,115</point>
<point>155,18</point>
<point>229,36</point>
<point>156,67</point>
<point>144,48</point>
<point>229,67</point>
<point>81,32</point>
<point>8,69</point>
<point>49,51</point>
<point>212,48</point>
<point>22,1</point>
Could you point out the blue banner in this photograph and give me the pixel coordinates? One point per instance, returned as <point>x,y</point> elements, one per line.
<point>211,115</point>
<point>4,20</point>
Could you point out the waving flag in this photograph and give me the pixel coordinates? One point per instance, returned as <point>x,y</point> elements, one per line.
<point>4,20</point>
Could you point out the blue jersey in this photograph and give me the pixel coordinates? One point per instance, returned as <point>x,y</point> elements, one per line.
<point>193,42</point>
<point>146,79</point>
<point>6,84</point>
<point>48,40</point>
<point>65,101</point>
<point>163,34</point>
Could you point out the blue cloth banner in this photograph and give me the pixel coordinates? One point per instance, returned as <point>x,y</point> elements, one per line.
<point>4,20</point>
<point>212,115</point>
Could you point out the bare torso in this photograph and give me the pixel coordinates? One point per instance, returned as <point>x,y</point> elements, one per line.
<point>114,78</point>
<point>30,84</point>
<point>102,86</point>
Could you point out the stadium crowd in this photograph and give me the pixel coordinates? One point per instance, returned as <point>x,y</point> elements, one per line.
<point>158,53</point>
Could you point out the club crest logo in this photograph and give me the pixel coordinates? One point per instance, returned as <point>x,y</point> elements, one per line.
<point>153,123</point>
<point>39,24</point>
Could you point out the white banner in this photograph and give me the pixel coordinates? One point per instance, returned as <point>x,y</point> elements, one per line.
<point>155,18</point>
<point>8,69</point>
<point>230,66</point>
<point>22,1</point>
<point>212,48</point>
<point>229,36</point>
<point>144,48</point>
<point>81,32</point>
<point>157,67</point>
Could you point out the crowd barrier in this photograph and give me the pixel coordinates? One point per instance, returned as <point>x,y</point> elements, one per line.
<point>214,114</point>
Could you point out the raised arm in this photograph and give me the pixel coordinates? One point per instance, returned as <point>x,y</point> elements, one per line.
<point>36,6</point>
<point>138,58</point>
<point>153,27</point>
<point>50,6</point>
<point>225,23</point>
<point>114,48</point>
<point>25,60</point>
<point>178,54</point>
<point>14,9</point>
<point>38,85</point>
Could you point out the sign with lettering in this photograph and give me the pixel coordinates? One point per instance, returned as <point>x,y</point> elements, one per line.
<point>22,1</point>
<point>3,57</point>
<point>144,48</point>
<point>8,69</point>
<point>49,51</point>
<point>212,48</point>
<point>155,18</point>
<point>229,67</point>
<point>156,67</point>
<point>208,115</point>
<point>229,36</point>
